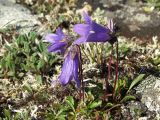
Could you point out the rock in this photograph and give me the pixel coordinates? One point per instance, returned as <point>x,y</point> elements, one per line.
<point>17,15</point>
<point>126,113</point>
<point>149,88</point>
<point>136,110</point>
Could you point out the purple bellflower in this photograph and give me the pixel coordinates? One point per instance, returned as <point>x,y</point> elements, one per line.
<point>91,31</point>
<point>70,67</point>
<point>58,41</point>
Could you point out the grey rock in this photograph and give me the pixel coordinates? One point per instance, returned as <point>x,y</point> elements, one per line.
<point>126,113</point>
<point>16,15</point>
<point>136,110</point>
<point>149,88</point>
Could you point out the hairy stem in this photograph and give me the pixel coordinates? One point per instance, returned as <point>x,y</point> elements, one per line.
<point>109,70</point>
<point>116,78</point>
<point>101,54</point>
<point>81,74</point>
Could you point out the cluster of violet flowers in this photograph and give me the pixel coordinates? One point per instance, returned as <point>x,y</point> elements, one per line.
<point>88,32</point>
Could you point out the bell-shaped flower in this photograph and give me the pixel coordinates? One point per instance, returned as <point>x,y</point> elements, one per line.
<point>58,41</point>
<point>70,67</point>
<point>91,31</point>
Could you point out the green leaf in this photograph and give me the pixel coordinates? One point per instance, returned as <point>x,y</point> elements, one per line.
<point>41,47</point>
<point>11,73</point>
<point>135,81</point>
<point>8,47</point>
<point>70,99</point>
<point>7,114</point>
<point>17,116</point>
<point>127,98</point>
<point>95,104</point>
<point>70,102</point>
<point>41,64</point>
<point>10,63</point>
<point>39,79</point>
<point>24,66</point>
<point>28,88</point>
<point>61,115</point>
<point>109,104</point>
<point>156,61</point>
<point>32,35</point>
<point>2,63</point>
<point>33,58</point>
<point>26,47</point>
<point>19,40</point>
<point>21,74</point>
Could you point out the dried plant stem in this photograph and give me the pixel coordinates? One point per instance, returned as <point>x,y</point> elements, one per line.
<point>116,78</point>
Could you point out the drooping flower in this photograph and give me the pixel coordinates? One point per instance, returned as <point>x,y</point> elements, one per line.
<point>70,67</point>
<point>91,31</point>
<point>58,41</point>
<point>111,26</point>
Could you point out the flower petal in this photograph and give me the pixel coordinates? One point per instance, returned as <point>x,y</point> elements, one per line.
<point>57,47</point>
<point>97,28</point>
<point>52,38</point>
<point>59,32</point>
<point>98,37</point>
<point>98,33</point>
<point>80,40</point>
<point>87,18</point>
<point>67,69</point>
<point>82,29</point>
<point>75,71</point>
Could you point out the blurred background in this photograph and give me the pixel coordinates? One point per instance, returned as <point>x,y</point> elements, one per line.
<point>135,18</point>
